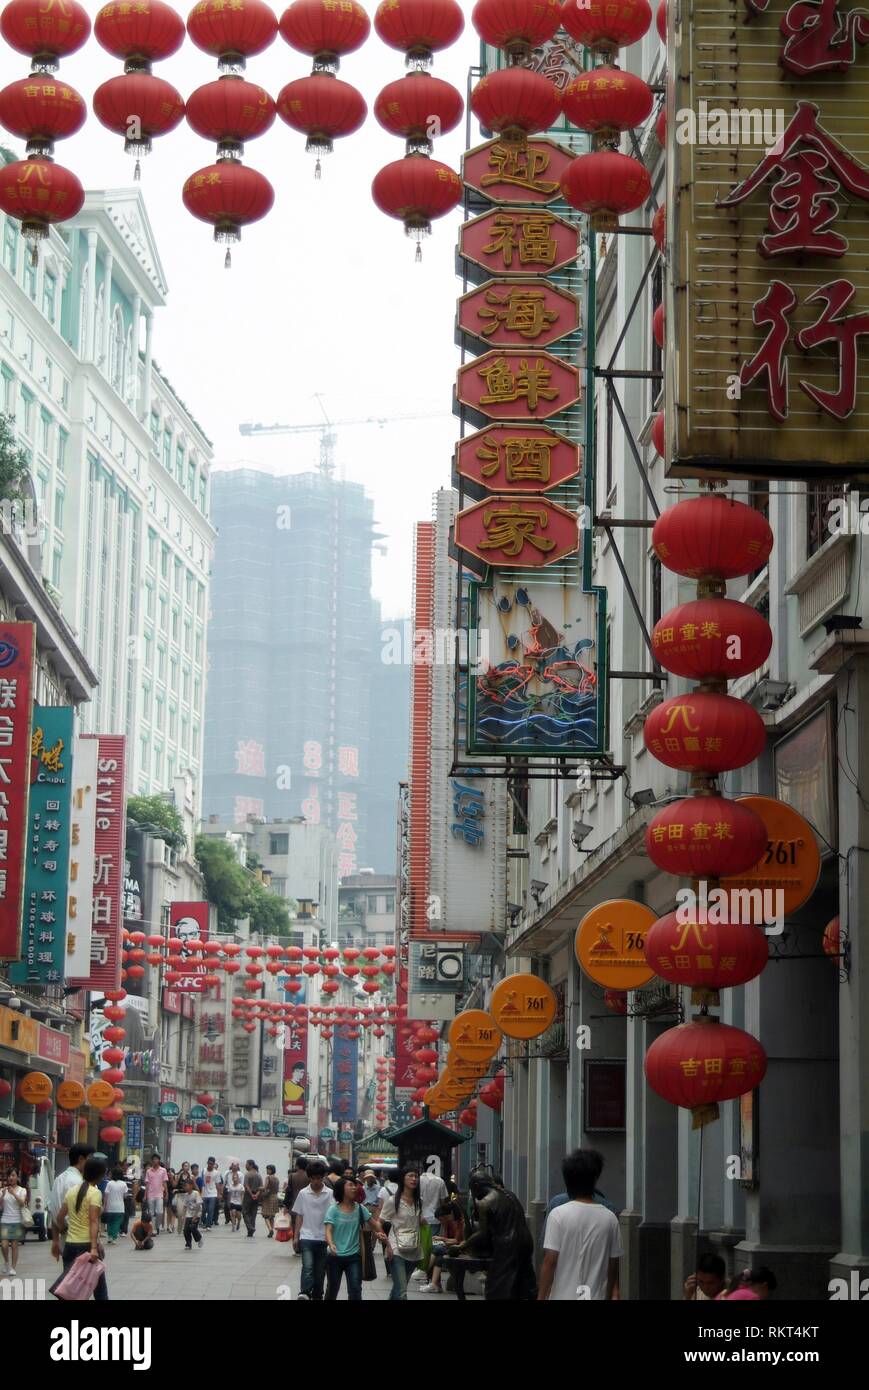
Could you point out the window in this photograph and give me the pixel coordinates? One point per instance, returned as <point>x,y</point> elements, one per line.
<point>178,573</point>
<point>657,355</point>
<point>176,622</point>
<point>10,246</point>
<point>64,393</point>
<point>118,352</point>
<point>185,732</point>
<point>164,612</point>
<point>144,752</point>
<point>62,441</point>
<point>150,599</point>
<point>655,590</point>
<point>27,354</point>
<point>198,649</point>
<point>179,463</point>
<point>155,425</point>
<point>44,432</point>
<point>173,673</point>
<point>279,844</point>
<point>58,509</point>
<point>152,548</point>
<point>164,562</point>
<point>187,633</point>
<point>372,902</point>
<point>8,391</point>
<point>161,661</point>
<point>56,563</point>
<point>167,450</point>
<point>9,329</point>
<point>25,412</point>
<point>188,589</point>
<point>818,500</point>
<point>49,296</point>
<point>30,278</point>
<point>202,497</point>
<point>191,481</point>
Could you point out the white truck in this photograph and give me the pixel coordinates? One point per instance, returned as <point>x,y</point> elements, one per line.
<point>198,1148</point>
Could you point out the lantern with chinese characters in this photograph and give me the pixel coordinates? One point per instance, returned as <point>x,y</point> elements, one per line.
<point>616,1000</point>
<point>712,537</point>
<point>661,127</point>
<point>37,193</point>
<point>832,939</point>
<point>230,111</point>
<point>40,110</point>
<point>659,227</point>
<point>515,103</point>
<point>605,184</point>
<point>47,30</point>
<point>111,1134</point>
<point>324,109</point>
<point>661,20</point>
<point>659,433</point>
<point>516,26</point>
<point>707,955</point>
<point>706,837</point>
<point>417,108</point>
<point>230,196</point>
<point>416,190</point>
<point>325,30</point>
<point>699,1064</point>
<point>138,105</point>
<point>419,28</point>
<point>605,27</point>
<point>606,102</point>
<point>232,33</point>
<point>704,732</point>
<point>712,639</point>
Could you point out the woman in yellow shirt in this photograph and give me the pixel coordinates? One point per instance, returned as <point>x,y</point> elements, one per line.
<point>79,1217</point>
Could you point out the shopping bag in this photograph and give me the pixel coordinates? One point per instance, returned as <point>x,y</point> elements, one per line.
<point>282,1225</point>
<point>80,1280</point>
<point>425,1247</point>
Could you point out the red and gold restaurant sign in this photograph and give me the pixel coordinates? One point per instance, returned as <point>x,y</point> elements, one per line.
<point>610,944</point>
<point>519,313</point>
<point>16,706</point>
<point>474,1036</point>
<point>519,242</point>
<point>506,458</point>
<point>523,1006</point>
<point>768,243</point>
<point>518,385</point>
<point>517,532</point>
<point>792,862</point>
<point>506,171</point>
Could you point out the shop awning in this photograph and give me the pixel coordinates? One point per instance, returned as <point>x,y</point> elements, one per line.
<point>10,1130</point>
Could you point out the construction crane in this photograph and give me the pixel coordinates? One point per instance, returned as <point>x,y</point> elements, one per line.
<point>327,430</point>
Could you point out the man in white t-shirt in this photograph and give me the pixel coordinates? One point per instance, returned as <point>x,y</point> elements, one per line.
<point>309,1231</point>
<point>70,1177</point>
<point>212,1187</point>
<point>581,1241</point>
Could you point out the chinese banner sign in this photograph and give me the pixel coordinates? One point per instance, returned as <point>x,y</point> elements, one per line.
<point>294,1038</point>
<point>43,941</point>
<point>81,857</point>
<point>345,1065</point>
<point>108,878</point>
<point>189,922</point>
<point>16,680</point>
<point>768,213</point>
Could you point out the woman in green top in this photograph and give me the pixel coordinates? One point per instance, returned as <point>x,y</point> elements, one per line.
<point>79,1217</point>
<point>344,1221</point>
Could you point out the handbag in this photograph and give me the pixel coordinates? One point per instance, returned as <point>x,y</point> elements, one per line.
<point>80,1280</point>
<point>425,1245</point>
<point>27,1218</point>
<point>407,1241</point>
<point>366,1252</point>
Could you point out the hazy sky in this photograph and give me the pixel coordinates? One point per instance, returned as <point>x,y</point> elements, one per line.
<point>323,296</point>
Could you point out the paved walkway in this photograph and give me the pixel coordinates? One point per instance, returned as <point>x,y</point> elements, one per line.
<point>229,1266</point>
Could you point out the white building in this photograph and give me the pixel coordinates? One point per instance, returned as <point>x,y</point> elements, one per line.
<point>121,474</point>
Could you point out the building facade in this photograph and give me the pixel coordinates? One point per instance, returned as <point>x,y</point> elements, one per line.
<point>120,471</point>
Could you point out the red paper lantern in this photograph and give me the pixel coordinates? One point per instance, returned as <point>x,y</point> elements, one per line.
<point>324,109</point>
<point>324,30</point>
<point>371,986</point>
<point>156,941</point>
<point>112,1114</point>
<point>416,191</point>
<point>249,1027</point>
<point>418,107</point>
<point>605,184</point>
<point>230,111</point>
<point>39,109</point>
<point>143,33</point>
<point>293,952</point>
<point>370,971</point>
<point>330,971</point>
<point>155,959</point>
<point>424,1074</point>
<point>331,953</point>
<point>832,939</point>
<point>604,27</point>
<point>659,433</point>
<point>607,101</point>
<point>136,937</point>
<point>492,1097</point>
<point>294,986</point>
<point>516,26</point>
<point>114,1034</point>
<point>231,949</point>
<point>43,1106</point>
<point>111,1134</point>
<point>424,1034</point>
<point>231,967</point>
<point>658,323</point>
<point>712,537</point>
<point>229,195</point>
<point>136,954</point>
<point>706,837</point>
<point>700,732</point>
<point>388,968</point>
<point>113,1055</point>
<point>113,1075</point>
<point>38,192</point>
<point>253,985</point>
<point>352,953</point>
<point>311,952</point>
<point>45,30</point>
<point>113,1012</point>
<point>387,951</point>
<point>328,986</point>
<point>417,1112</point>
<point>205,1127</point>
<point>380,1032</point>
<point>696,1065</point>
<point>661,20</point>
<point>419,28</point>
<point>232,33</point>
<point>515,102</point>
<point>136,972</point>
<point>254,952</point>
<point>253,969</point>
<point>661,127</point>
<point>310,969</point>
<point>616,1000</point>
<point>351,970</point>
<point>712,638</point>
<point>708,956</point>
<point>659,227</point>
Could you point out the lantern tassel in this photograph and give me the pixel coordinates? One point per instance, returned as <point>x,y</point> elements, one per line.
<point>318,169</point>
<point>227,260</point>
<point>418,256</point>
<point>34,254</point>
<point>137,172</point>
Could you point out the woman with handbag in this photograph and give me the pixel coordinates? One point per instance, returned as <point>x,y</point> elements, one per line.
<point>404,1213</point>
<point>345,1223</point>
<point>79,1217</point>
<point>13,1220</point>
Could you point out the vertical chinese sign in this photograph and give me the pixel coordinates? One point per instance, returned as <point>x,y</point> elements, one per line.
<point>346,835</point>
<point>188,922</point>
<point>108,876</point>
<point>43,941</point>
<point>768,242</point>
<point>537,680</point>
<point>81,857</point>
<point>294,1036</point>
<point>16,682</point>
<point>345,1066</point>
